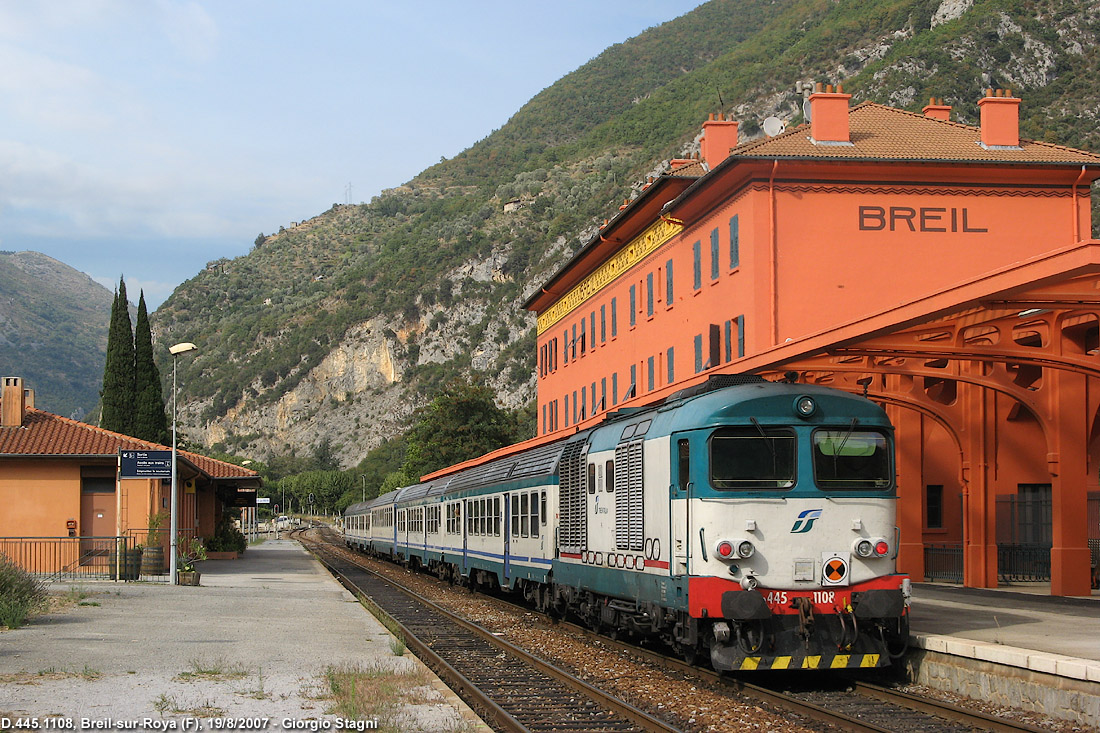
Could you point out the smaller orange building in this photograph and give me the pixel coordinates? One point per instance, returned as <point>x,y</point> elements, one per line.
<point>60,477</point>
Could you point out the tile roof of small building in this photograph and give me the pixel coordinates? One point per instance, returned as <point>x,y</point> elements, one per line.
<point>47,435</point>
<point>878,132</point>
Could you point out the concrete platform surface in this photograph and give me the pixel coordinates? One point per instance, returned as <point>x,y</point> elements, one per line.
<point>257,640</point>
<point>1041,633</point>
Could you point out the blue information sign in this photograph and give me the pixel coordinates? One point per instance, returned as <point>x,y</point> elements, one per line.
<point>145,463</point>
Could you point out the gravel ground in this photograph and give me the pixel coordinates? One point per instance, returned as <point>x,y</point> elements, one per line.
<point>696,706</point>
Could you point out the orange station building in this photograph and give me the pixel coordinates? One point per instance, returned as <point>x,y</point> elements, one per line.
<point>60,477</point>
<point>944,270</point>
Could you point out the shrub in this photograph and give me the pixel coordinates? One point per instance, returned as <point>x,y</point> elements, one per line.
<point>20,594</point>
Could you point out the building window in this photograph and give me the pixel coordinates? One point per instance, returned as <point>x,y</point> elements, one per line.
<point>671,372</point>
<point>565,346</point>
<point>584,403</point>
<point>649,295</point>
<point>698,353</point>
<point>735,243</point>
<point>933,506</point>
<point>649,373</point>
<point>633,304</point>
<point>576,409</point>
<point>573,350</point>
<point>566,410</point>
<point>729,341</point>
<point>740,336</point>
<point>697,271</point>
<point>603,324</point>
<point>668,283</point>
<point>603,392</point>
<point>592,328</point>
<point>584,345</point>
<point>714,255</point>
<point>614,388</point>
<point>614,317</point>
<point>632,391</point>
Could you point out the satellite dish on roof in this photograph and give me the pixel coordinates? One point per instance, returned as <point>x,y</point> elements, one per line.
<point>773,126</point>
<point>806,109</point>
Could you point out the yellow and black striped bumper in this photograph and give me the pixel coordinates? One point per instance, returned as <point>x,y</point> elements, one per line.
<point>812,661</point>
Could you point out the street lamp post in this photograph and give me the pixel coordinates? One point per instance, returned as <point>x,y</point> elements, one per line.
<point>173,523</point>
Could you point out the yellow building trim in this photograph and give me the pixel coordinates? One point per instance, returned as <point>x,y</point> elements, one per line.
<point>631,254</point>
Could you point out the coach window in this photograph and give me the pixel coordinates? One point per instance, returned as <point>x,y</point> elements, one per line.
<point>591,478</point>
<point>609,475</point>
<point>534,514</point>
<point>524,519</point>
<point>497,514</point>
<point>754,457</point>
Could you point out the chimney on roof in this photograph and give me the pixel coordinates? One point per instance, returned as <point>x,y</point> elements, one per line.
<point>13,403</point>
<point>829,116</point>
<point>719,136</point>
<point>937,110</point>
<point>1000,119</point>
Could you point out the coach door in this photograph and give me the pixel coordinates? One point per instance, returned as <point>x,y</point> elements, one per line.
<point>507,537</point>
<point>465,536</point>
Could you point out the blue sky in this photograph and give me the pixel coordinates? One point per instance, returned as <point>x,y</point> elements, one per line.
<point>145,138</point>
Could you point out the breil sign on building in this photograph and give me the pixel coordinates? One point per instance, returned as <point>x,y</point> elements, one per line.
<point>922,219</point>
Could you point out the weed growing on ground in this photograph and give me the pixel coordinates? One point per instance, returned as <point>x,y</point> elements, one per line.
<point>216,669</point>
<point>21,594</point>
<point>378,692</point>
<point>205,709</point>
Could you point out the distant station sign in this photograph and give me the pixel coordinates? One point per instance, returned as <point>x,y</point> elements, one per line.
<point>145,463</point>
<point>263,500</point>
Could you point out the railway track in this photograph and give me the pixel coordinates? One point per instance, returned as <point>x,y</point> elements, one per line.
<point>509,688</point>
<point>857,706</point>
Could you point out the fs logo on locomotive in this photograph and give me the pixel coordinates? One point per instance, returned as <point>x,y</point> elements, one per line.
<point>805,521</point>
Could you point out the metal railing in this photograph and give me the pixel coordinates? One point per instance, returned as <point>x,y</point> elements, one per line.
<point>88,558</point>
<point>943,563</point>
<point>72,558</point>
<point>1023,563</point>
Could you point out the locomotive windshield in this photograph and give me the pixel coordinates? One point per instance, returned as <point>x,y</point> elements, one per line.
<point>852,459</point>
<point>752,458</point>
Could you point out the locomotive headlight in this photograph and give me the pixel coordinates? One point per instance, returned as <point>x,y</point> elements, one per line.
<point>805,406</point>
<point>882,548</point>
<point>734,549</point>
<point>864,548</point>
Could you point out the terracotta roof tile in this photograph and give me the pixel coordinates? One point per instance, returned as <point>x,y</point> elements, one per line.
<point>47,435</point>
<point>879,132</point>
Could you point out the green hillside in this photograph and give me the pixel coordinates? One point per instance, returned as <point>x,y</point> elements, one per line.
<point>53,331</point>
<point>437,268</point>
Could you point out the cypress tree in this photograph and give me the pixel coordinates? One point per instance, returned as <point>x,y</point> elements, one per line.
<point>150,421</point>
<point>118,374</point>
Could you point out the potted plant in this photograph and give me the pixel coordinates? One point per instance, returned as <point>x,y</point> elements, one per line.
<point>152,552</point>
<point>189,550</point>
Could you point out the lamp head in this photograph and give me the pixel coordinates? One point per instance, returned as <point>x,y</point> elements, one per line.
<point>181,348</point>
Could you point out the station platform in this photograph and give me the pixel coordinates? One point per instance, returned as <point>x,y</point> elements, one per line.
<point>262,637</point>
<point>1016,644</point>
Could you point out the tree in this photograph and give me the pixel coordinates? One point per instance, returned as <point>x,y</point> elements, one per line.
<point>118,374</point>
<point>150,419</point>
<point>461,423</point>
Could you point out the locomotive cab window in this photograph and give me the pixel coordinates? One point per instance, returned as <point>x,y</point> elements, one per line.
<point>752,458</point>
<point>849,458</point>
